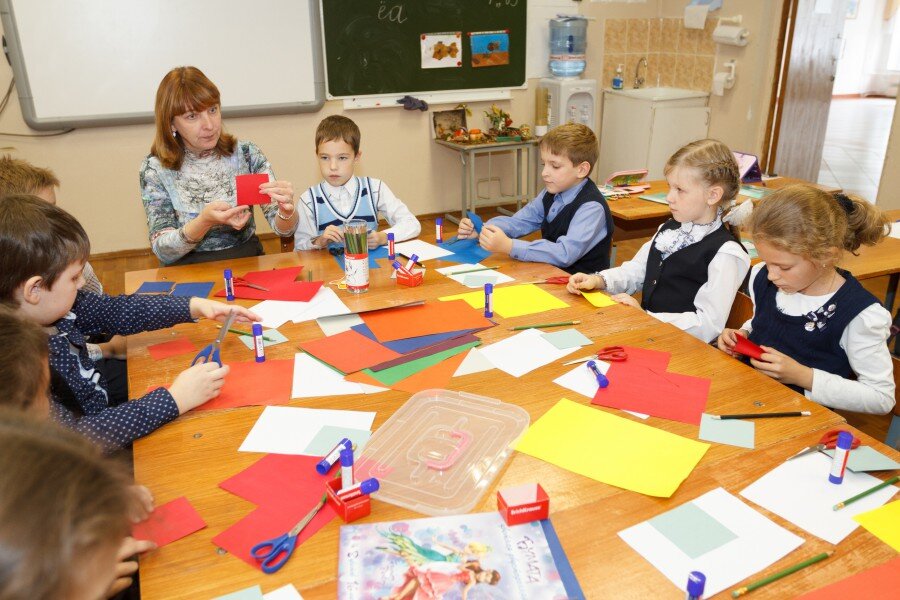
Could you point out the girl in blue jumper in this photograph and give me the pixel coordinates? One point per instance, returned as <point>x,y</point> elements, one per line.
<point>816,324</point>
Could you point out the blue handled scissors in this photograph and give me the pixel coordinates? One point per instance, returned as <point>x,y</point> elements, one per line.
<point>608,354</point>
<point>275,552</point>
<point>211,351</point>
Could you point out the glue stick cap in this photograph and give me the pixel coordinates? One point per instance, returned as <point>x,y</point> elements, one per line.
<point>257,329</point>
<point>844,440</point>
<point>439,221</point>
<point>488,288</point>
<point>228,274</point>
<point>390,236</point>
<point>397,265</point>
<point>347,457</point>
<point>696,583</point>
<point>369,485</point>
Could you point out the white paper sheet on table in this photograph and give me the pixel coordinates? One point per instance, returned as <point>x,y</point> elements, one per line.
<point>276,313</point>
<point>474,362</point>
<point>325,303</point>
<point>798,490</point>
<point>523,353</point>
<point>895,230</point>
<point>289,430</point>
<point>423,250</point>
<point>288,592</point>
<point>449,272</point>
<point>758,544</point>
<point>313,378</point>
<point>582,380</point>
<point>336,324</point>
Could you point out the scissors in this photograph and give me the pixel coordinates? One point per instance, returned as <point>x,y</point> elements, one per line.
<point>829,440</point>
<point>269,551</point>
<point>211,351</point>
<point>609,354</point>
<point>241,281</point>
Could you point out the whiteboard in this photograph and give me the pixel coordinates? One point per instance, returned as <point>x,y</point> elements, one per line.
<point>99,62</point>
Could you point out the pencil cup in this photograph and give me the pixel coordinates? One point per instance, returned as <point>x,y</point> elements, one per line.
<point>356,256</point>
<point>348,510</point>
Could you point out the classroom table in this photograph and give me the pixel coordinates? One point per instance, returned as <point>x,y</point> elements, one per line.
<point>192,455</point>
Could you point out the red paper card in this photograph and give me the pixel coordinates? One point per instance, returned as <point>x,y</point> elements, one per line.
<point>280,284</point>
<point>872,583</point>
<point>173,348</point>
<point>349,351</point>
<point>431,317</point>
<point>248,189</point>
<point>747,348</point>
<point>254,384</point>
<point>169,522</point>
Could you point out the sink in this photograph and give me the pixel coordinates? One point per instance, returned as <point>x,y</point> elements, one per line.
<point>659,93</point>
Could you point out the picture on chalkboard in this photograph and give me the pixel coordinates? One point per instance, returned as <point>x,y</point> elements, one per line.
<point>441,50</point>
<point>489,48</point>
<point>449,123</point>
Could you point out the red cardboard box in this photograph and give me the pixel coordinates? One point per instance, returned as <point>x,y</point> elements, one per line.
<point>418,276</point>
<point>349,510</point>
<point>523,503</point>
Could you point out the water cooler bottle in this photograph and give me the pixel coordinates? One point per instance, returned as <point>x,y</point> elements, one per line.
<point>568,98</point>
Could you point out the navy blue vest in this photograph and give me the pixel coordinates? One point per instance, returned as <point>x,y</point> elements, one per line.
<point>595,259</point>
<point>812,339</point>
<point>363,207</point>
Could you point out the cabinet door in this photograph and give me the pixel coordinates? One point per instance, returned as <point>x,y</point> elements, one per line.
<point>671,129</point>
<point>624,136</point>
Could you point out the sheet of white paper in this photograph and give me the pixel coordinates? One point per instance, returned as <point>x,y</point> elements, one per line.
<point>474,362</point>
<point>288,592</point>
<point>423,250</point>
<point>523,353</point>
<point>313,378</point>
<point>895,230</point>
<point>289,430</point>
<point>325,303</point>
<point>338,323</point>
<point>581,380</point>
<point>798,490</point>
<point>449,272</point>
<point>759,543</point>
<point>276,313</point>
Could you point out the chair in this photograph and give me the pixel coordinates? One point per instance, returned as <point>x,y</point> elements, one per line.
<point>893,436</point>
<point>741,310</point>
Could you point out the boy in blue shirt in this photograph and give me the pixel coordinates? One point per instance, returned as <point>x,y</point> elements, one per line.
<point>570,211</point>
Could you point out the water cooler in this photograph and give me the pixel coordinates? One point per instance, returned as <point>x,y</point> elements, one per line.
<point>566,97</point>
<point>570,101</point>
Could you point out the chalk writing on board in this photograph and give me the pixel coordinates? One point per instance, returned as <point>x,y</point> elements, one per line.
<point>501,3</point>
<point>392,13</point>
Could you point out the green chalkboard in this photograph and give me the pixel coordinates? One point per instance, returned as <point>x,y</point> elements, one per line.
<point>375,46</point>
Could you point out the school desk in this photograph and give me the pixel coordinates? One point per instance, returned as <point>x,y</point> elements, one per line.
<point>192,455</point>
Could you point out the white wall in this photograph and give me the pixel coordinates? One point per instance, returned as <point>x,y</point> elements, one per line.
<point>865,41</point>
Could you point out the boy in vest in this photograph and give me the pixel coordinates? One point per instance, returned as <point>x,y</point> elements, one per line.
<point>570,211</point>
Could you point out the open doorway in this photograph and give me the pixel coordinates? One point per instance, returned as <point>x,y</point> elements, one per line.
<point>863,98</point>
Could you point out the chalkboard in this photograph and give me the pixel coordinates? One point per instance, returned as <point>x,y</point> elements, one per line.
<point>375,46</point>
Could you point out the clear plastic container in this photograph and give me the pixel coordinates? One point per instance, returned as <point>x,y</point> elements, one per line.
<point>439,453</point>
<point>568,42</point>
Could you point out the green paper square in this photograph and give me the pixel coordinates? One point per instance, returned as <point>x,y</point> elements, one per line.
<point>276,336</point>
<point>392,375</point>
<point>733,432</point>
<point>330,435</point>
<point>692,529</point>
<point>866,458</point>
<point>567,338</point>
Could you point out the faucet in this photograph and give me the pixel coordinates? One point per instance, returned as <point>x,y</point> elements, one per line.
<point>638,80</point>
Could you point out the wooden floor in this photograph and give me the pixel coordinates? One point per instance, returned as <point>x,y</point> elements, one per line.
<point>111,269</point>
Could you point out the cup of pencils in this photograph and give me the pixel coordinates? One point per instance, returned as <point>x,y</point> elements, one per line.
<point>356,256</point>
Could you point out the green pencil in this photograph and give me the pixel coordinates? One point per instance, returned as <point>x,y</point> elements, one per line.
<point>239,332</point>
<point>474,270</point>
<point>758,584</point>
<point>541,325</point>
<point>871,490</point>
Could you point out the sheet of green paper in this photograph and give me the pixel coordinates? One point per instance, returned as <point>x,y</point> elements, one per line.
<point>273,334</point>
<point>611,449</point>
<point>692,529</point>
<point>250,593</point>
<point>883,523</point>
<point>867,458</point>
<point>733,432</point>
<point>599,299</point>
<point>389,377</point>
<point>567,338</point>
<point>330,435</point>
<point>513,300</point>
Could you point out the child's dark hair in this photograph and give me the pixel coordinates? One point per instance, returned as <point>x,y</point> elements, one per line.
<point>36,238</point>
<point>338,127</point>
<point>574,141</point>
<point>24,348</point>
<point>809,222</point>
<point>61,507</point>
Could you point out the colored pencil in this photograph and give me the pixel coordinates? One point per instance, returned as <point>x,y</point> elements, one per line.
<point>474,270</point>
<point>775,577</point>
<point>871,490</point>
<point>775,415</point>
<point>239,332</point>
<point>541,325</point>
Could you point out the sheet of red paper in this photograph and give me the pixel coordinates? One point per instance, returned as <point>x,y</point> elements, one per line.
<point>435,377</point>
<point>173,348</point>
<point>280,284</point>
<point>439,347</point>
<point>872,583</point>
<point>169,522</point>
<point>349,351</point>
<point>747,348</point>
<point>254,384</point>
<point>431,317</point>
<point>248,189</point>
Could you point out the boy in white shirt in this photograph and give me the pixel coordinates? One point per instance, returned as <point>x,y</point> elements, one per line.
<point>341,196</point>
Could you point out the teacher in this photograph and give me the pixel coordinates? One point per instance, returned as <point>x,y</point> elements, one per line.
<point>188,180</point>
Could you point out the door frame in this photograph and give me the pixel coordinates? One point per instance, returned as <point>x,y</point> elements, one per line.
<point>779,82</point>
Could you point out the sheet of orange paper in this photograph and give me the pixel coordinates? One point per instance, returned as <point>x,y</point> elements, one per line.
<point>431,317</point>
<point>254,384</point>
<point>349,351</point>
<point>436,377</point>
<point>873,583</point>
<point>363,377</point>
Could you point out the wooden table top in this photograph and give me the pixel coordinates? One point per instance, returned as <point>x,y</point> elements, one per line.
<point>192,455</point>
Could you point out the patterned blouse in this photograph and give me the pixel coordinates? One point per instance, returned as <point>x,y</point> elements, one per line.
<point>172,198</point>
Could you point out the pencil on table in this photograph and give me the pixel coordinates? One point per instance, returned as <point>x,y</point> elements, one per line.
<point>774,415</point>
<point>871,490</point>
<point>541,325</point>
<point>784,573</point>
<point>475,270</point>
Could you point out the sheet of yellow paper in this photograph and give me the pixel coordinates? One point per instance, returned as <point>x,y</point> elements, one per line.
<point>883,523</point>
<point>598,299</point>
<point>612,449</point>
<point>514,300</point>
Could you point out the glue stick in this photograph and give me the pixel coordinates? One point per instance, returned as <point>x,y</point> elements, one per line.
<point>391,254</point>
<point>439,230</point>
<point>412,261</point>
<point>259,343</point>
<point>346,468</point>
<point>841,454</point>
<point>332,457</point>
<point>229,285</point>
<point>489,300</point>
<point>360,489</point>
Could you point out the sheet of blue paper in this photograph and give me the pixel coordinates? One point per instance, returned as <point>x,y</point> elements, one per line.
<point>330,435</point>
<point>411,344</point>
<point>275,337</point>
<point>155,287</point>
<point>379,252</point>
<point>692,529</point>
<point>466,251</point>
<point>251,593</point>
<point>866,458</point>
<point>201,289</point>
<point>567,338</point>
<point>733,432</point>
<point>476,221</point>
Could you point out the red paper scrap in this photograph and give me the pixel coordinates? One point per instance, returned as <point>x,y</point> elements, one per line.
<point>280,284</point>
<point>173,348</point>
<point>747,348</point>
<point>876,582</point>
<point>349,351</point>
<point>169,522</point>
<point>254,384</point>
<point>248,189</point>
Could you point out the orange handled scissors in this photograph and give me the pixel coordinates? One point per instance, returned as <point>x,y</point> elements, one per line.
<point>829,441</point>
<point>608,354</point>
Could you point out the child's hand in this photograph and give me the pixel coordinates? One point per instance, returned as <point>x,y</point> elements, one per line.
<point>116,347</point>
<point>332,234</point>
<point>197,385</point>
<point>727,340</point>
<point>582,282</point>
<point>466,228</point>
<point>376,238</point>
<point>142,503</point>
<point>222,213</point>
<point>126,568</point>
<point>783,368</point>
<point>493,239</point>
<point>212,309</point>
<point>283,193</point>
<point>627,300</point>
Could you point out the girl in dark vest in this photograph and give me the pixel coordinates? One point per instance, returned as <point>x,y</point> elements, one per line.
<point>815,322</point>
<point>691,269</point>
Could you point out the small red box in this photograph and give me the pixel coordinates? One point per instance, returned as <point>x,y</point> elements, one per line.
<point>350,510</point>
<point>411,281</point>
<point>523,503</point>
